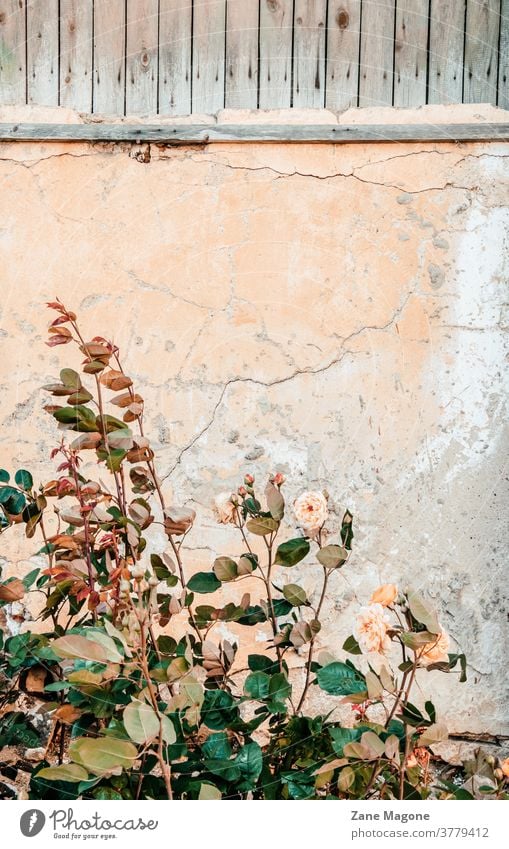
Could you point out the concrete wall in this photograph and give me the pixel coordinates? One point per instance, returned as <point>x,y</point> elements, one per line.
<point>334,312</point>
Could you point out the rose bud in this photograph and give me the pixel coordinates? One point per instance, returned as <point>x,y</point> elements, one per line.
<point>385,595</point>
<point>249,480</point>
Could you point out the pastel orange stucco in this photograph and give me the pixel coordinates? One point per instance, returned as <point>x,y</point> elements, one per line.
<point>334,312</point>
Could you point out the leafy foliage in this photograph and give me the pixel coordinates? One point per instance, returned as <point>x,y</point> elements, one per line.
<point>142,713</point>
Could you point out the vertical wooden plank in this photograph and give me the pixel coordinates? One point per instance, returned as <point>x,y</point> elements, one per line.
<point>447,24</point>
<point>309,53</point>
<point>175,39</point>
<point>109,57</point>
<point>503,60</point>
<point>241,88</point>
<point>209,17</point>
<point>12,52</point>
<point>377,53</point>
<point>276,22</point>
<point>42,52</point>
<point>343,38</point>
<point>142,59</point>
<point>411,53</point>
<point>481,52</point>
<point>76,39</point>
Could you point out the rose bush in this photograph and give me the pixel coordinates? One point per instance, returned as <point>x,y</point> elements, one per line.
<point>145,697</point>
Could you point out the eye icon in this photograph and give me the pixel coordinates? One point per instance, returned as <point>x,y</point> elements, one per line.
<point>32,822</point>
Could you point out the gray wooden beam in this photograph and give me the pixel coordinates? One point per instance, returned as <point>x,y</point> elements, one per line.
<point>185,134</point>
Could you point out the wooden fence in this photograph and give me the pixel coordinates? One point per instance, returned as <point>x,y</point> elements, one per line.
<point>174,57</point>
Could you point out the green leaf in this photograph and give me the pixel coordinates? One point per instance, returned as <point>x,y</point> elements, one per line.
<point>416,640</point>
<point>24,479</point>
<point>106,794</point>
<point>225,569</point>
<point>352,646</point>
<point>142,723</point>
<point>422,613</point>
<point>339,679</point>
<point>209,792</point>
<point>70,378</point>
<point>203,582</point>
<point>14,502</point>
<point>256,685</point>
<point>453,660</point>
<point>261,663</point>
<point>250,762</point>
<point>332,556</point>
<point>6,492</point>
<point>219,710</point>
<point>4,476</point>
<point>347,530</point>
<point>279,687</point>
<point>162,572</point>
<point>65,772</point>
<point>80,418</point>
<point>217,746</point>
<point>292,552</point>
<point>295,595</point>
<point>102,754</point>
<point>341,736</point>
<point>113,457</point>
<point>262,526</point>
<point>29,579</point>
<point>412,715</point>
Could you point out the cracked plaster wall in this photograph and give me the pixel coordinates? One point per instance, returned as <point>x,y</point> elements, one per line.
<point>335,312</point>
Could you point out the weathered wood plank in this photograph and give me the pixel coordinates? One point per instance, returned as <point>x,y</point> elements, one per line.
<point>503,63</point>
<point>217,133</point>
<point>481,51</point>
<point>12,52</point>
<point>343,37</point>
<point>109,57</point>
<point>309,53</point>
<point>377,52</point>
<point>446,51</point>
<point>141,57</point>
<point>242,54</point>
<point>76,43</point>
<point>411,53</point>
<point>175,40</point>
<point>42,52</point>
<point>276,53</point>
<point>209,18</point>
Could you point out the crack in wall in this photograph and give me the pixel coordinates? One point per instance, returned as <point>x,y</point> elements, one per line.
<point>313,370</point>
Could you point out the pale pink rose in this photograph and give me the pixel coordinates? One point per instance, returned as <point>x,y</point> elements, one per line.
<point>436,651</point>
<point>224,508</point>
<point>311,512</point>
<point>371,629</point>
<point>385,595</point>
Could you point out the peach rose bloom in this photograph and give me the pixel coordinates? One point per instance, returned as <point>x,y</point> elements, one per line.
<point>370,629</point>
<point>504,766</point>
<point>311,511</point>
<point>385,595</point>
<point>436,651</point>
<point>224,508</point>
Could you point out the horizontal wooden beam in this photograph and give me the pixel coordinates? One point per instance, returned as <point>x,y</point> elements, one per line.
<point>199,134</point>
